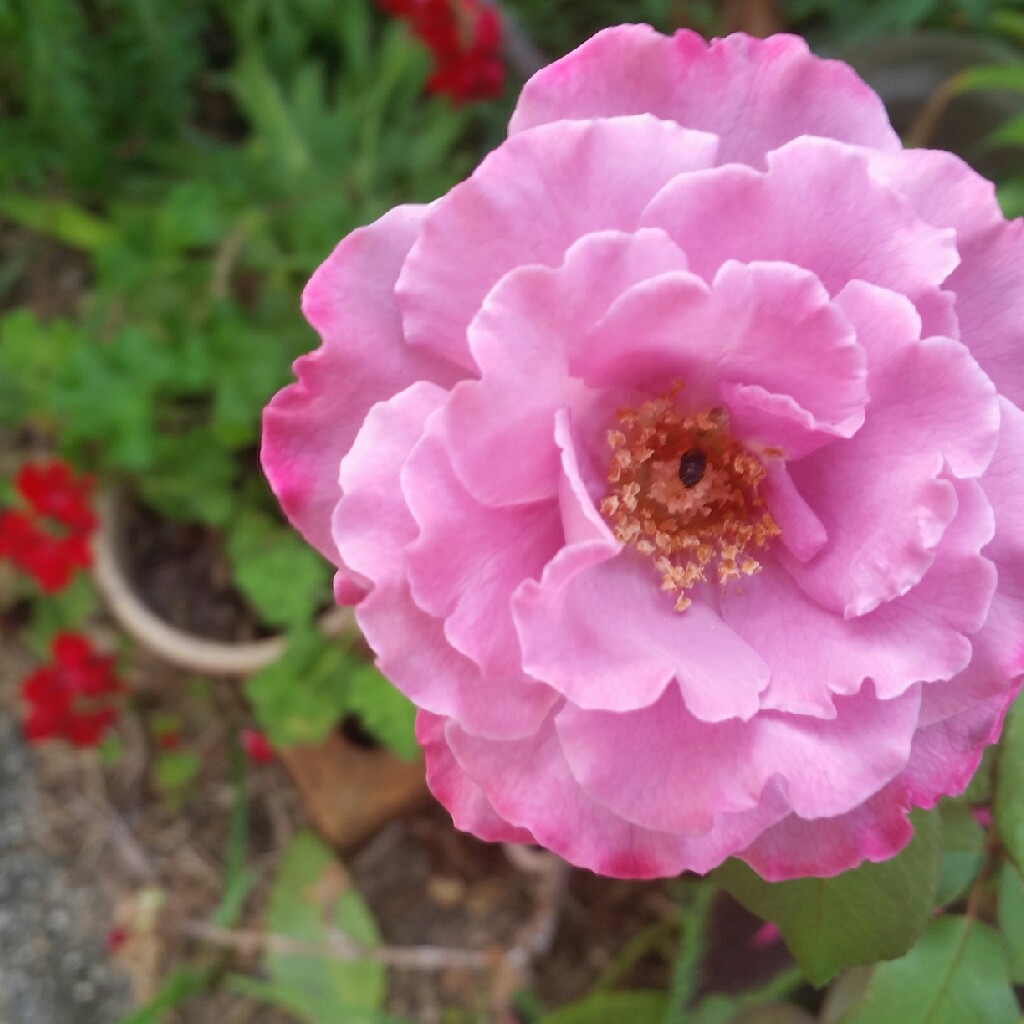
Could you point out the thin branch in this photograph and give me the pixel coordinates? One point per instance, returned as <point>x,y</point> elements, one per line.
<point>338,947</point>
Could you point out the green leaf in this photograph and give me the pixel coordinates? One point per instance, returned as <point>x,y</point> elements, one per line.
<point>176,770</point>
<point>778,1014</point>
<point>190,479</point>
<point>1008,802</point>
<point>67,609</point>
<point>260,96</point>
<point>389,716</point>
<point>283,578</point>
<point>1011,198</point>
<point>1011,918</point>
<point>963,851</point>
<point>312,898</point>
<point>874,912</point>
<point>31,357</point>
<point>957,974</point>
<point>300,697</point>
<point>57,218</point>
<point>1009,134</point>
<point>637,1007</point>
<point>991,77</point>
<point>190,216</point>
<point>183,983</point>
<point>1010,23</point>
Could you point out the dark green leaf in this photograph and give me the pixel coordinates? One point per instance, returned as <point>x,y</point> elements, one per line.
<point>1008,802</point>
<point>1011,197</point>
<point>956,974</point>
<point>963,851</point>
<point>874,912</point>
<point>1011,918</point>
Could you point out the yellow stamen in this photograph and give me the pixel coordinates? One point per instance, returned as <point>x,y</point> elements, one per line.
<point>692,518</point>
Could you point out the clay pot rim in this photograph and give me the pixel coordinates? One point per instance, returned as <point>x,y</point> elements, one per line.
<point>177,646</point>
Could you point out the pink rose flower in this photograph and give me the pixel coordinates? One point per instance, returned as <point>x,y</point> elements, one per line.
<point>673,460</point>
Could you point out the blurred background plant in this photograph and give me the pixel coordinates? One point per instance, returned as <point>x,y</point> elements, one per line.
<point>170,175</point>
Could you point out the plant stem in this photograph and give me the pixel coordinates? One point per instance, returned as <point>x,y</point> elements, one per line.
<point>695,907</point>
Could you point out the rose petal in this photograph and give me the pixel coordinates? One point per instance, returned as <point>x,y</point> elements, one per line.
<point>372,523</point>
<point>469,558</point>
<point>309,426</point>
<point>881,495</point>
<point>499,429</point>
<point>863,232</point>
<point>413,652</point>
<point>770,324</point>
<point>471,811</point>
<point>755,93</point>
<point>527,203</point>
<point>605,636</point>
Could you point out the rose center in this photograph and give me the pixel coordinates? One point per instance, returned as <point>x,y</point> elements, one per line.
<point>684,492</point>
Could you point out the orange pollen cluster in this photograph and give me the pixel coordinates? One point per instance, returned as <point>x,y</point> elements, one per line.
<point>683,491</point>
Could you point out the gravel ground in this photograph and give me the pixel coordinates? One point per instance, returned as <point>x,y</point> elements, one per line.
<point>53,965</point>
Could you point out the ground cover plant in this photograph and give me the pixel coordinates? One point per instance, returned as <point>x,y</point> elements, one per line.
<point>170,177</point>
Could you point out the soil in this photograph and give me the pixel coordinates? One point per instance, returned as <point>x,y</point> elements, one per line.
<point>181,571</point>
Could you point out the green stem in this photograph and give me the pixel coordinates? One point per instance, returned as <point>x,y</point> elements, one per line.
<point>695,907</point>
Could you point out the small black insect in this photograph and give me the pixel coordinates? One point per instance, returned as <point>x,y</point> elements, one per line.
<point>692,464</point>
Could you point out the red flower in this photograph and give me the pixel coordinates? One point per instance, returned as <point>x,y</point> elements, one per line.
<point>257,747</point>
<point>52,490</point>
<point>51,541</point>
<point>464,37</point>
<point>70,698</point>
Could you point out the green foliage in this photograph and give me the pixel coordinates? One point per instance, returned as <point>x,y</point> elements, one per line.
<point>963,851</point>
<point>302,696</point>
<point>66,610</point>
<point>850,21</point>
<point>386,714</point>
<point>874,912</point>
<point>206,156</point>
<point>91,89</point>
<point>175,772</point>
<point>182,983</point>
<point>956,974</point>
<point>1008,807</point>
<point>313,900</point>
<point>282,577</point>
<point>1011,919</point>
<point>638,1007</point>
